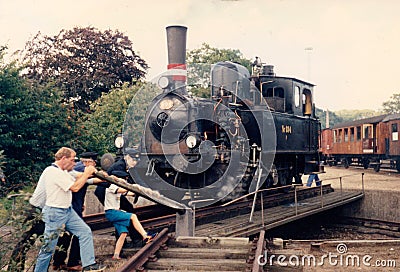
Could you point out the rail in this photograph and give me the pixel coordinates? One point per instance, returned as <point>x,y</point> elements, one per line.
<point>259,251</point>
<point>145,253</point>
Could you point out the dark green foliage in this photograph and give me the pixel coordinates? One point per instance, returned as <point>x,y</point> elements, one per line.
<point>135,115</point>
<point>33,124</point>
<point>97,131</point>
<point>13,224</point>
<point>333,118</point>
<point>83,62</point>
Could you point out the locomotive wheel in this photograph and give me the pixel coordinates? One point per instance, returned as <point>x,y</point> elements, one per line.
<point>377,167</point>
<point>345,163</point>
<point>365,163</point>
<point>269,182</point>
<point>398,165</point>
<point>285,178</point>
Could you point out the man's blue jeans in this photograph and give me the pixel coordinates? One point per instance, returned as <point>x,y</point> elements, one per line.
<point>54,219</point>
<point>311,178</point>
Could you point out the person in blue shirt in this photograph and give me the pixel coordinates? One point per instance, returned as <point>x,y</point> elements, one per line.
<point>120,169</point>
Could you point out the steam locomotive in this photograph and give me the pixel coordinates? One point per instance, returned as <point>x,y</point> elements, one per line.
<point>256,130</point>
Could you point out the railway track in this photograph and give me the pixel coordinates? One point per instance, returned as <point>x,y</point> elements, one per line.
<point>167,253</point>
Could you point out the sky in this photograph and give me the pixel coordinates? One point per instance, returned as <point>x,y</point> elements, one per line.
<point>350,49</point>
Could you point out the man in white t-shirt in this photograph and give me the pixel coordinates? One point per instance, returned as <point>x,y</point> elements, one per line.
<point>58,212</point>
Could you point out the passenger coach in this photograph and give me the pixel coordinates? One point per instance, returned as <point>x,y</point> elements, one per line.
<point>366,142</point>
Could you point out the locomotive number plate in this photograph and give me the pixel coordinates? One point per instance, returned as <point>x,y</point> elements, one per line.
<point>287,129</point>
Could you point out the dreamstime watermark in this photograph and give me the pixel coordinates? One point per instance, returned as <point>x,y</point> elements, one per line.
<point>339,258</point>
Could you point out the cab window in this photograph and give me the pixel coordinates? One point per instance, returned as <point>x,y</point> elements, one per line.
<point>297,96</point>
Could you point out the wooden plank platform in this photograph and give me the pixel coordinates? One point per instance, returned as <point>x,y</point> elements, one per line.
<point>241,227</point>
<point>203,254</point>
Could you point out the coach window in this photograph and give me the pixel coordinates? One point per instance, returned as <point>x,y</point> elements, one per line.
<point>395,133</point>
<point>346,134</point>
<point>352,134</point>
<point>307,102</point>
<point>367,131</point>
<point>340,136</point>
<point>297,96</point>
<point>335,136</point>
<point>358,133</point>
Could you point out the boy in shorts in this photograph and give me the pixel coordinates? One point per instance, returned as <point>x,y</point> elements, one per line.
<point>121,219</point>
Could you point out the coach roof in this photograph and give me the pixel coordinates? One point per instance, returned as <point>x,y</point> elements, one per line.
<point>369,120</point>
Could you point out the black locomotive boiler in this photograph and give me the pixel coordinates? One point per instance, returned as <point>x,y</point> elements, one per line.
<point>256,130</point>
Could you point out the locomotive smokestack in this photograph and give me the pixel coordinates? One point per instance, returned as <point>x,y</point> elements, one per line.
<point>176,41</point>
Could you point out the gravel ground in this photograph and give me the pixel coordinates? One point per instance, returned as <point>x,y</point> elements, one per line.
<point>351,178</point>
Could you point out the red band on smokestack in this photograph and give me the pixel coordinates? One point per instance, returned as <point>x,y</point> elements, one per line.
<point>177,66</point>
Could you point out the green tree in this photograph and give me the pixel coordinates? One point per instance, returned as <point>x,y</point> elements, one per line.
<point>199,65</point>
<point>97,131</point>
<point>121,110</point>
<point>351,115</point>
<point>84,62</point>
<point>33,123</point>
<point>2,162</point>
<point>392,105</point>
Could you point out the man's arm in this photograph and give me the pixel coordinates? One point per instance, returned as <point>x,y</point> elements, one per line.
<point>80,181</point>
<point>90,181</point>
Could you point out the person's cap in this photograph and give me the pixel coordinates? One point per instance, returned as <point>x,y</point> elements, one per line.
<point>89,155</point>
<point>134,153</point>
<point>119,174</point>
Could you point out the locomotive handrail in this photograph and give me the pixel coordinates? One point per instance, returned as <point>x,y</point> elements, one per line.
<point>258,191</point>
<point>345,176</point>
<point>295,193</point>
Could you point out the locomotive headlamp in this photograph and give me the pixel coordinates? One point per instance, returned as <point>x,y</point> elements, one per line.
<point>166,104</point>
<point>119,141</point>
<point>191,141</point>
<point>163,82</point>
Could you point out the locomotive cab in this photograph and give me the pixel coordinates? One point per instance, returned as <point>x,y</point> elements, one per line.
<point>289,95</point>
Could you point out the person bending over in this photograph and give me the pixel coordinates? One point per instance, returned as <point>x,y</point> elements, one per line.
<point>121,219</point>
<point>58,211</point>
